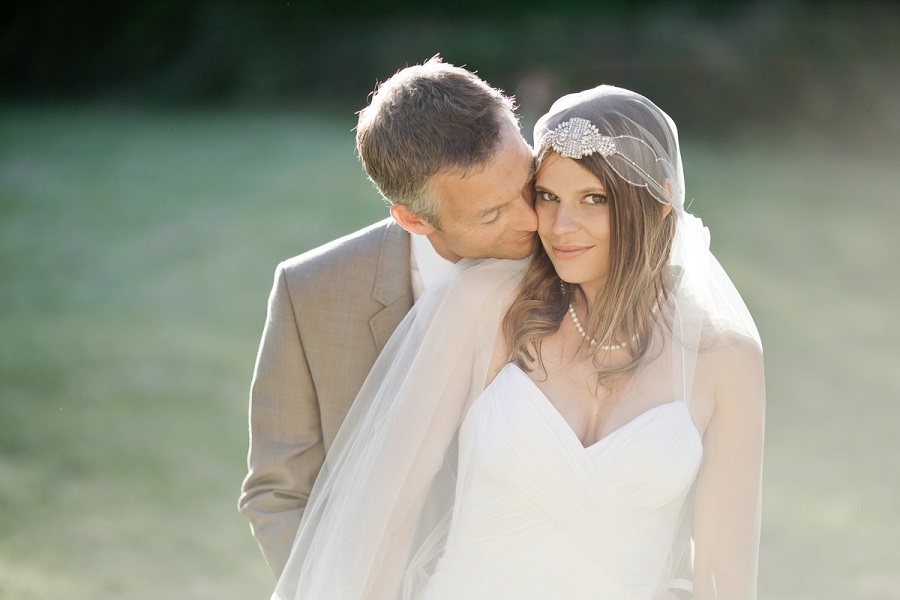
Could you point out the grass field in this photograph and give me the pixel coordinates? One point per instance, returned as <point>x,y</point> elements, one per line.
<point>136,254</point>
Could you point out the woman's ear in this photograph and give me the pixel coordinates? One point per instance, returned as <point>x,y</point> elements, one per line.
<point>410,221</point>
<point>667,208</point>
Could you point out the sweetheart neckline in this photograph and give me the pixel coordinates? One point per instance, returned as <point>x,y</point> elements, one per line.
<point>562,420</point>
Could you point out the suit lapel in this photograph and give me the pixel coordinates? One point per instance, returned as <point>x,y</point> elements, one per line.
<point>392,286</point>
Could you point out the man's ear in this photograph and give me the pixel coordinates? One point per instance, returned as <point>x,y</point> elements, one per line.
<point>409,221</point>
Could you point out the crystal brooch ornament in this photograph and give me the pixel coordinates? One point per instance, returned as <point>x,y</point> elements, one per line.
<point>577,138</point>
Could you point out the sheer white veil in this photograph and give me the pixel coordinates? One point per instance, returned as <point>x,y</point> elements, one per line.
<point>379,512</point>
<point>380,507</point>
<point>705,349</point>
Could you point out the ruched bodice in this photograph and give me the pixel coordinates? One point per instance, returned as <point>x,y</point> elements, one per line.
<point>539,515</point>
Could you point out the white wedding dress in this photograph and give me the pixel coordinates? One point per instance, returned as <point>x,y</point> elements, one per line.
<point>538,515</point>
<point>444,489</point>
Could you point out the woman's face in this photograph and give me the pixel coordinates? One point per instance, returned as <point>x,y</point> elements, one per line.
<point>573,221</point>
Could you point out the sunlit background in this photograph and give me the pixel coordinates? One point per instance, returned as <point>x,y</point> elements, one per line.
<point>158,159</point>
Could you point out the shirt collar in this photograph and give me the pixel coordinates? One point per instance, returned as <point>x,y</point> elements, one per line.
<point>426,264</point>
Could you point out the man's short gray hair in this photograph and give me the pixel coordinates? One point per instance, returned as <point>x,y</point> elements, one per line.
<point>428,119</point>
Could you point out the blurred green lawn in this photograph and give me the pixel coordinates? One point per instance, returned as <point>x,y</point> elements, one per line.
<point>136,255</point>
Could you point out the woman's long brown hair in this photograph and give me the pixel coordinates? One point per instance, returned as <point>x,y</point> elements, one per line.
<point>642,232</point>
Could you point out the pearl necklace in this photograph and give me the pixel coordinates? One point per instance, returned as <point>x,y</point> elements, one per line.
<point>604,347</point>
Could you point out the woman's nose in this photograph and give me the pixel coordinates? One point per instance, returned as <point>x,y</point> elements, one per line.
<point>564,219</point>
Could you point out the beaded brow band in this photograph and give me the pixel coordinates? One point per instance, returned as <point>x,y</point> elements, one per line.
<point>577,138</point>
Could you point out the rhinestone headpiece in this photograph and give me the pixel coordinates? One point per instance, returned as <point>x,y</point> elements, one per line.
<point>577,138</point>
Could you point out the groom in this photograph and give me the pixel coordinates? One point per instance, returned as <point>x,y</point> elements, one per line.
<point>444,149</point>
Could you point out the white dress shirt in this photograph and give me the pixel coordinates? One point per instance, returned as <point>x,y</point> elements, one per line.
<point>425,264</point>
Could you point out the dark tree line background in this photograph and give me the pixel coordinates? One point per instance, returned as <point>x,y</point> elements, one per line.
<point>159,157</point>
<point>718,65</point>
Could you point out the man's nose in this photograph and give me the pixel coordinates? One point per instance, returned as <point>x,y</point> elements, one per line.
<point>526,218</point>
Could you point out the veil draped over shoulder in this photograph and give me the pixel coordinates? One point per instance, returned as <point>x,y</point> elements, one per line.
<point>379,513</point>
<point>380,507</point>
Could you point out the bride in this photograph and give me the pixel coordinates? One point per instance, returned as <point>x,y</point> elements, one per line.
<point>587,423</point>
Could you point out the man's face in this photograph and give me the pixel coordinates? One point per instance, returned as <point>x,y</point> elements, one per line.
<point>488,212</point>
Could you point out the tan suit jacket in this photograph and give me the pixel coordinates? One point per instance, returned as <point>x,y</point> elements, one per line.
<point>330,313</point>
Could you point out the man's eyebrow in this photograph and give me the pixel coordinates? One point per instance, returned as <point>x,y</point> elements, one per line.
<point>532,170</point>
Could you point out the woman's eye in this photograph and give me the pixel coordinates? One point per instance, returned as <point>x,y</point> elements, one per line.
<point>547,197</point>
<point>596,199</point>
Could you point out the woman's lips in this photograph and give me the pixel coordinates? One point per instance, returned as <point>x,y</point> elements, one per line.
<point>565,251</point>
